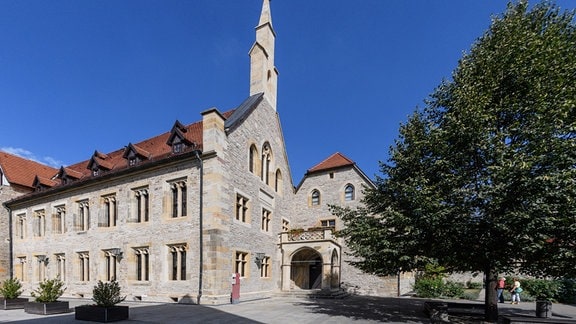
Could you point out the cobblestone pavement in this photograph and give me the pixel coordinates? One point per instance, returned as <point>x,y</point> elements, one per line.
<point>354,309</point>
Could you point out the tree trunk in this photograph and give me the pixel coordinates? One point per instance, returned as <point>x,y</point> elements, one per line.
<point>490,302</point>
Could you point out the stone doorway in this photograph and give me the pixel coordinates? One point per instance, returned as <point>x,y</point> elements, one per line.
<point>306,269</point>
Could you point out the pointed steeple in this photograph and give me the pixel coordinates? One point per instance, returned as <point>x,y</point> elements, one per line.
<point>263,73</point>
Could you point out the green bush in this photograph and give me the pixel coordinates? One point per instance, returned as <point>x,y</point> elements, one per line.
<point>49,290</point>
<point>541,289</point>
<point>474,285</point>
<point>453,289</point>
<point>107,294</point>
<point>10,289</point>
<point>429,287</point>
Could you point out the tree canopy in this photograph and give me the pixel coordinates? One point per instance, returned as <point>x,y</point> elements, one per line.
<point>483,178</point>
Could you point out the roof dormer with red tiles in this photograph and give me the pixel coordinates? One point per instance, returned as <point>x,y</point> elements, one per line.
<point>20,173</point>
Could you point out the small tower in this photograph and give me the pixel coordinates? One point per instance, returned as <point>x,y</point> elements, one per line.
<point>263,73</point>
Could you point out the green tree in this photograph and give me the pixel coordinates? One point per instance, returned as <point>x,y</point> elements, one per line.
<point>483,178</point>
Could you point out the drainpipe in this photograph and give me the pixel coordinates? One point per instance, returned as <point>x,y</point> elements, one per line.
<point>10,245</point>
<point>200,208</point>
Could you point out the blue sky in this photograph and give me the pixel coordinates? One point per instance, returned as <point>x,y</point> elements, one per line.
<point>78,75</point>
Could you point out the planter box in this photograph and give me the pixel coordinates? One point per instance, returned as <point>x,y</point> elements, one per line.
<point>14,303</point>
<point>102,314</point>
<point>56,307</point>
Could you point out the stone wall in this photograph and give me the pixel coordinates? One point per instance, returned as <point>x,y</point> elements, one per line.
<point>6,193</point>
<point>331,185</point>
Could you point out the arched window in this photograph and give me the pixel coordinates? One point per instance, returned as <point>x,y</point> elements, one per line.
<point>315,197</point>
<point>278,182</point>
<point>253,160</point>
<point>266,158</point>
<point>349,194</point>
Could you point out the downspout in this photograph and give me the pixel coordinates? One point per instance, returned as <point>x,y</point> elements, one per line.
<point>11,245</point>
<point>200,209</point>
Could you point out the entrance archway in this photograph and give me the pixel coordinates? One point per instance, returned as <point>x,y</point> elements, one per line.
<point>306,269</point>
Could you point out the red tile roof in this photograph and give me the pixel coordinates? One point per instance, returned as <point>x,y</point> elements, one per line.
<point>21,171</point>
<point>335,160</point>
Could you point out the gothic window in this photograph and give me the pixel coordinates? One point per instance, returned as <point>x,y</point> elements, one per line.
<point>60,266</point>
<point>21,226</point>
<point>349,194</point>
<point>20,269</point>
<point>39,223</point>
<point>266,159</point>
<point>278,181</point>
<point>179,198</point>
<point>82,219</point>
<point>110,264</point>
<point>142,208</point>
<point>83,266</point>
<point>109,214</point>
<point>178,262</point>
<point>41,266</point>
<point>315,197</point>
<point>59,220</point>
<point>142,263</point>
<point>253,159</point>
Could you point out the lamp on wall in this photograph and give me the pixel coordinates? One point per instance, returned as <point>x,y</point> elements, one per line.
<point>117,253</point>
<point>259,257</point>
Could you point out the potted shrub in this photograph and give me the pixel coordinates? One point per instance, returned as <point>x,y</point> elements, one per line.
<point>544,291</point>
<point>106,295</point>
<point>10,290</point>
<point>46,298</point>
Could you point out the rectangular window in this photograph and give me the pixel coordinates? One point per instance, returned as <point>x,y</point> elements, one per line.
<point>83,266</point>
<point>241,263</point>
<point>109,214</point>
<point>328,223</point>
<point>178,262</point>
<point>179,199</point>
<point>142,263</point>
<point>285,225</point>
<point>21,226</point>
<point>60,266</point>
<point>266,216</point>
<point>265,268</point>
<point>39,223</point>
<point>59,220</point>
<point>82,219</point>
<point>241,208</point>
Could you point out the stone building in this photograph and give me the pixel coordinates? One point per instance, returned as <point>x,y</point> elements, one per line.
<point>174,216</point>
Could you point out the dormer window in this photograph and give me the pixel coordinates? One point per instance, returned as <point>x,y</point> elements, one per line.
<point>177,148</point>
<point>95,172</point>
<point>135,154</point>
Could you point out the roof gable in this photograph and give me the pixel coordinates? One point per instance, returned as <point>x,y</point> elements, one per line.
<point>336,160</point>
<point>21,171</point>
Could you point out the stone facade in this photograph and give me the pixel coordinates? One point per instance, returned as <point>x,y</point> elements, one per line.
<point>173,226</point>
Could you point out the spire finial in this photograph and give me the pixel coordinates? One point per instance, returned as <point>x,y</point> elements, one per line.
<point>265,16</point>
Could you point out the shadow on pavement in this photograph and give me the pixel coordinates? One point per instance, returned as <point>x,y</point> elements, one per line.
<point>382,309</point>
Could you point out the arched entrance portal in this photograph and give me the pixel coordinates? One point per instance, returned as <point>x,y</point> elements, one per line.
<point>306,269</point>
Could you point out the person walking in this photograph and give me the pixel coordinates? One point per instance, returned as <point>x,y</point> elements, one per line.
<point>515,291</point>
<point>500,289</point>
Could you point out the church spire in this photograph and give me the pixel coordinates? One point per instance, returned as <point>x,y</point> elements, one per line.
<point>263,73</point>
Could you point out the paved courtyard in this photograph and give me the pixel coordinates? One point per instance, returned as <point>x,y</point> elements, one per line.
<point>355,309</point>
